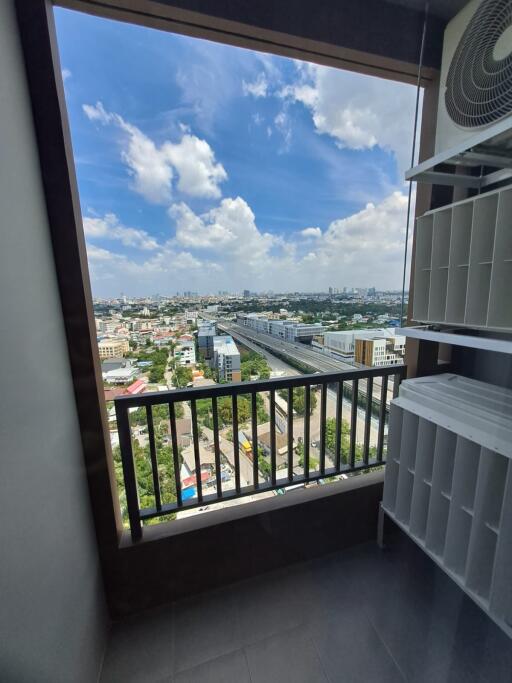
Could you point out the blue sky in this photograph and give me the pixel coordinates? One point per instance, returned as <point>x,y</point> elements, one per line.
<point>207,167</point>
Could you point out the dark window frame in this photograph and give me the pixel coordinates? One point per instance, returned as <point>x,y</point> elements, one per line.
<point>39,44</point>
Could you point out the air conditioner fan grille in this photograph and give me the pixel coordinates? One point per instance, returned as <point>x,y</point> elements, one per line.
<point>479,82</point>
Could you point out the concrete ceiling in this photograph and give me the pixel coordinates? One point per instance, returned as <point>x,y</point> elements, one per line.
<point>444,9</point>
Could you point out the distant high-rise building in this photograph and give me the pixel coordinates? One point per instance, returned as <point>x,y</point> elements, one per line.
<point>331,291</point>
<point>247,294</point>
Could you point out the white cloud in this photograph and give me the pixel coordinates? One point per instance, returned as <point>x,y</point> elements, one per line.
<point>108,227</point>
<point>225,249</point>
<point>194,161</point>
<point>258,119</point>
<point>257,88</point>
<point>166,271</point>
<point>98,254</point>
<point>66,73</point>
<point>311,232</point>
<point>282,124</point>
<point>229,228</point>
<point>152,167</point>
<point>97,113</point>
<point>377,231</point>
<point>358,111</point>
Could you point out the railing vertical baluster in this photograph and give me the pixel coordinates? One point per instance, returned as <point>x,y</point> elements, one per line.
<point>216,447</point>
<point>154,461</point>
<point>175,453</point>
<point>290,434</point>
<point>355,458</point>
<point>273,466</point>
<point>129,473</point>
<point>397,378</point>
<point>323,412</point>
<point>339,424</point>
<point>353,422</point>
<point>307,423</point>
<point>254,424</point>
<point>382,417</point>
<point>197,456</point>
<point>368,419</point>
<point>236,445</point>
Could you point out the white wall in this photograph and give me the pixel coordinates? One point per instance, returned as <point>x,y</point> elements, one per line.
<point>52,618</point>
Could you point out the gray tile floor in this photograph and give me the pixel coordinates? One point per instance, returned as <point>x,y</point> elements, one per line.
<point>361,615</point>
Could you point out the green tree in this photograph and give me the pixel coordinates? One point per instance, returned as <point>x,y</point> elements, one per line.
<point>160,415</point>
<point>299,399</point>
<point>144,476</point>
<point>182,376</point>
<point>254,363</point>
<point>264,464</point>
<point>313,462</point>
<point>330,442</point>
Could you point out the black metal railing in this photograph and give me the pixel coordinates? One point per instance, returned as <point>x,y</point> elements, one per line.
<point>361,400</point>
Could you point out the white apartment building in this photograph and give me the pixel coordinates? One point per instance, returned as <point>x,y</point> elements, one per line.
<point>106,326</point>
<point>140,325</point>
<point>185,353</point>
<point>289,330</point>
<point>379,350</point>
<point>226,359</point>
<point>343,343</point>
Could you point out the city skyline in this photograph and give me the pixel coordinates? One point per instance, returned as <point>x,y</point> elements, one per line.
<point>199,163</point>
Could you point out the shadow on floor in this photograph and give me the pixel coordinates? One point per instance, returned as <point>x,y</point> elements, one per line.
<point>360,615</point>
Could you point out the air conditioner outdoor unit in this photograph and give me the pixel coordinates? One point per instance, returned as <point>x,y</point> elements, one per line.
<point>476,72</point>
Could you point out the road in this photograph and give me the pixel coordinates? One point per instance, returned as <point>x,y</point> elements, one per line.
<point>299,352</point>
<point>278,366</point>
<point>295,351</point>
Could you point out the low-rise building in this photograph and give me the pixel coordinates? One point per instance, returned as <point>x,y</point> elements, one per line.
<point>226,359</point>
<point>343,343</point>
<point>380,350</point>
<point>113,348</point>
<point>115,363</point>
<point>121,375</point>
<point>185,352</point>
<point>205,334</point>
<point>289,330</point>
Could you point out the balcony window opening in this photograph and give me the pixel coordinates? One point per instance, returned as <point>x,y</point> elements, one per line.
<point>244,215</point>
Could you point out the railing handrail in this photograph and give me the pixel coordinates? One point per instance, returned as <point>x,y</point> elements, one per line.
<point>237,388</point>
<point>341,378</point>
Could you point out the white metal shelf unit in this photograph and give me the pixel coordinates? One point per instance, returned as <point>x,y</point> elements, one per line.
<point>449,482</point>
<point>463,263</point>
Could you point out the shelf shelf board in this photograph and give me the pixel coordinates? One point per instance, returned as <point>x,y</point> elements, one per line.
<point>468,510</point>
<point>482,601</point>
<point>490,147</point>
<point>451,336</point>
<point>446,495</point>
